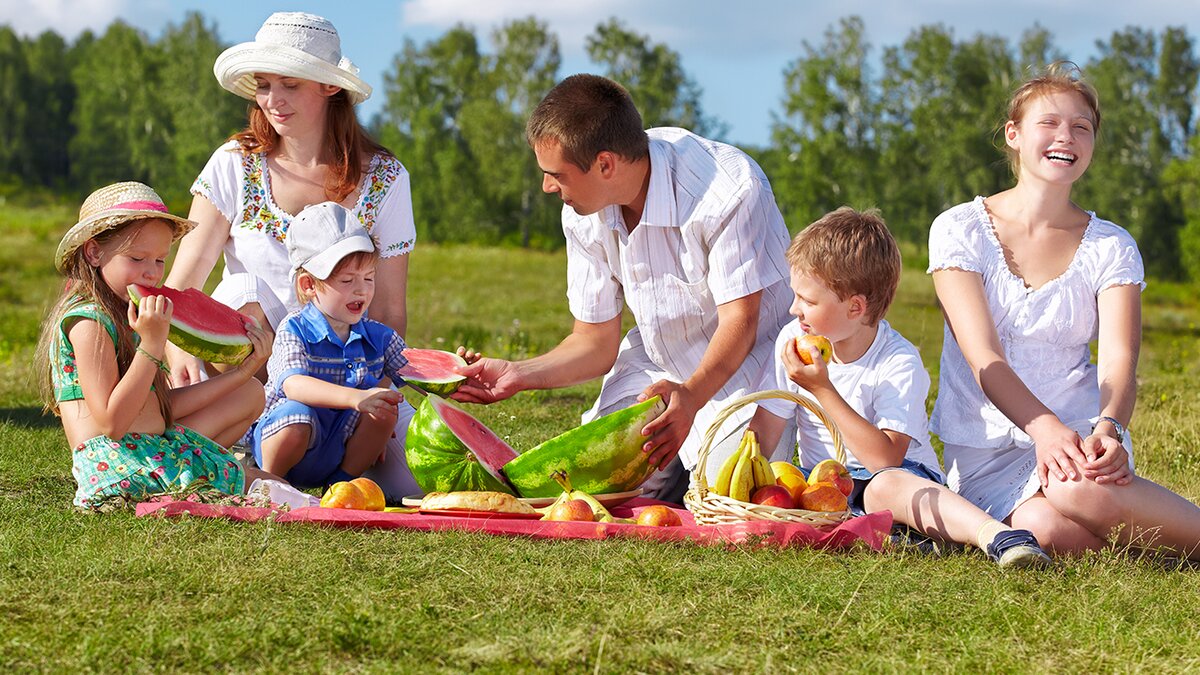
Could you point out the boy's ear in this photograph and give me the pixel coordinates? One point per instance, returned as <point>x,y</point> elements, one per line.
<point>858,306</point>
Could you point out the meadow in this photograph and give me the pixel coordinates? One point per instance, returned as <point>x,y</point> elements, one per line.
<point>116,593</point>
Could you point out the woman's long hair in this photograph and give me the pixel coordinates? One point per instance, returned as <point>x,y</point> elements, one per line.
<point>84,284</point>
<point>348,146</point>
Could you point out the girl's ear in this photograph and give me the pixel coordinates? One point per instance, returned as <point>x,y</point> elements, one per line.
<point>91,252</point>
<point>329,89</point>
<point>1010,134</point>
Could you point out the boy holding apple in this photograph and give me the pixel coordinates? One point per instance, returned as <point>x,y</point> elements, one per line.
<point>844,270</point>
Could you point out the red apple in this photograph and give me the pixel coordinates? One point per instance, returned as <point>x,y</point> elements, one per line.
<point>572,509</point>
<point>805,342</point>
<point>659,516</point>
<point>773,495</point>
<point>831,471</point>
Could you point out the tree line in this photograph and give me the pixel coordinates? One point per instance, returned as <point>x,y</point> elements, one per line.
<point>911,131</point>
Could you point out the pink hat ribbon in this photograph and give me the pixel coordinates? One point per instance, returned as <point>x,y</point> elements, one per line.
<point>140,206</point>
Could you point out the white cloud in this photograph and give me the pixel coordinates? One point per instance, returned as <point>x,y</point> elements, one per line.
<point>68,18</point>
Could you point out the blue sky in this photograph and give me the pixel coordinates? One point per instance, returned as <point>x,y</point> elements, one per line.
<point>735,51</point>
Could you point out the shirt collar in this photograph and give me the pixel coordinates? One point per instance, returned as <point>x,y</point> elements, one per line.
<point>659,210</point>
<point>314,327</point>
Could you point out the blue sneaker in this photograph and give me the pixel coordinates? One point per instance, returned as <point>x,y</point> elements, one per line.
<point>1018,549</point>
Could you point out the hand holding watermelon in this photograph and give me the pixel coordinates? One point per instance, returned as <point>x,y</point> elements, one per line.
<point>488,381</point>
<point>151,320</point>
<point>668,431</point>
<point>261,342</point>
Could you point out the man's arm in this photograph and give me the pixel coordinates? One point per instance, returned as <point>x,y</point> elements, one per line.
<point>737,331</point>
<point>587,353</point>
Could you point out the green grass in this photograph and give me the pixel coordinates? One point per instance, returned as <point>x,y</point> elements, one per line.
<point>116,593</point>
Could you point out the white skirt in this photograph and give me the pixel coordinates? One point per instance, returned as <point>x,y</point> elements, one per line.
<point>1000,479</point>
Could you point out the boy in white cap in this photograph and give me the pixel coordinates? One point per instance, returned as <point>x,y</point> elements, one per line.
<point>326,420</point>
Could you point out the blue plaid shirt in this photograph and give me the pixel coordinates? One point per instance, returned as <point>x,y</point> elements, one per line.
<point>306,345</point>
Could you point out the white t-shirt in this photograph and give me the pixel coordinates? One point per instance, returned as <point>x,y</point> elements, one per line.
<point>240,187</point>
<point>887,385</point>
<point>710,233</point>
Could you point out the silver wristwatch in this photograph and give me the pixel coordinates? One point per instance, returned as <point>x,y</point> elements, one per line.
<point>1116,425</point>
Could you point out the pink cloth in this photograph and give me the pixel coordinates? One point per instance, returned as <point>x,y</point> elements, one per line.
<point>871,529</point>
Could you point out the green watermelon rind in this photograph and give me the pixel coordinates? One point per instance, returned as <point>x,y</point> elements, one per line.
<point>205,347</point>
<point>441,386</point>
<point>438,460</point>
<point>601,457</point>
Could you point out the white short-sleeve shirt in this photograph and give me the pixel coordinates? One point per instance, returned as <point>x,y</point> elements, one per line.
<point>1045,332</point>
<point>710,233</point>
<point>887,385</point>
<point>239,186</point>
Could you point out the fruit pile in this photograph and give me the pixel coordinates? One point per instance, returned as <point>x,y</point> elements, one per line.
<point>747,477</point>
<point>361,493</point>
<point>577,505</point>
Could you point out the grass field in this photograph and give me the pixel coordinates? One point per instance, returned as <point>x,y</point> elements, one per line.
<point>115,593</point>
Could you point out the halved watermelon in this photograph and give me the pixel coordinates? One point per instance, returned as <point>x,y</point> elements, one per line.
<point>202,326</point>
<point>604,455</point>
<point>433,370</point>
<point>449,450</point>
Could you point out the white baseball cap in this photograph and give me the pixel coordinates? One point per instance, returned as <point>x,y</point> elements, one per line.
<point>321,235</point>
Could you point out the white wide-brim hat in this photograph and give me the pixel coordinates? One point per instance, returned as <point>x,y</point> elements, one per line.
<point>292,44</point>
<point>110,207</point>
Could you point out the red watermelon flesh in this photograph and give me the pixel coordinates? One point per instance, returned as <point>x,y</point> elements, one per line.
<point>433,370</point>
<point>449,450</point>
<point>202,326</point>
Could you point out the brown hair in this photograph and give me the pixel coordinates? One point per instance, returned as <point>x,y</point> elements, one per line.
<point>853,253</point>
<point>1058,77</point>
<point>347,143</point>
<point>85,284</point>
<point>356,259</point>
<point>588,114</point>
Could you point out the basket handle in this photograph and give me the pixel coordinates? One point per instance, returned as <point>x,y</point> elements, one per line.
<point>699,475</point>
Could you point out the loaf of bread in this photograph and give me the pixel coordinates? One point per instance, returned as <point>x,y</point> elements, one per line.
<point>483,500</point>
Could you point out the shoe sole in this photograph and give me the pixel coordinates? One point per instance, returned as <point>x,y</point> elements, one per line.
<point>1024,558</point>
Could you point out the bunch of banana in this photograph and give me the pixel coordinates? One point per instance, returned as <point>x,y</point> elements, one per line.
<point>568,493</point>
<point>745,471</point>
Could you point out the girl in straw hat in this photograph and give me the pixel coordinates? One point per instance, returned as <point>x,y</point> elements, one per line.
<point>132,434</point>
<point>303,146</point>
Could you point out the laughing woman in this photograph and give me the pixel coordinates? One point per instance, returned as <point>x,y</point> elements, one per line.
<point>303,145</point>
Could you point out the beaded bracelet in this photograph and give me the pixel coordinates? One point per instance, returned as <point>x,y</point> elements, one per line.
<point>162,365</point>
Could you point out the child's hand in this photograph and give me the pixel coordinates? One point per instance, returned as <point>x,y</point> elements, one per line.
<point>151,319</point>
<point>812,376</point>
<point>468,355</point>
<point>262,341</point>
<point>379,403</point>
<point>1107,460</point>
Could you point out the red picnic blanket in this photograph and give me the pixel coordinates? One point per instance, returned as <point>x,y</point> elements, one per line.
<point>871,529</point>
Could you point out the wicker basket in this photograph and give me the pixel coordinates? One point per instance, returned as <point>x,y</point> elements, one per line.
<point>710,508</point>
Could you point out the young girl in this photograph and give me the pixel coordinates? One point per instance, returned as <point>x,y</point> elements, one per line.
<point>1034,432</point>
<point>132,435</point>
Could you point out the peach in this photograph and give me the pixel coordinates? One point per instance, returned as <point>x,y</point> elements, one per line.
<point>822,497</point>
<point>832,471</point>
<point>659,516</point>
<point>372,494</point>
<point>572,509</point>
<point>773,495</point>
<point>805,342</point>
<point>344,495</point>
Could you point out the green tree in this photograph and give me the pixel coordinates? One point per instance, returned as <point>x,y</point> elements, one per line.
<point>824,143</point>
<point>199,113</point>
<point>654,76</point>
<point>51,99</point>
<point>15,84</point>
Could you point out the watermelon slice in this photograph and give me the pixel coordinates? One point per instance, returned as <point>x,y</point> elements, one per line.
<point>449,450</point>
<point>202,326</point>
<point>433,370</point>
<point>602,456</point>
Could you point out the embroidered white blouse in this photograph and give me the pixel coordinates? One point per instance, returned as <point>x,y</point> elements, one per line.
<point>240,187</point>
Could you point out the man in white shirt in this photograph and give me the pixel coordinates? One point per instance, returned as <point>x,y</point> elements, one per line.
<point>683,230</point>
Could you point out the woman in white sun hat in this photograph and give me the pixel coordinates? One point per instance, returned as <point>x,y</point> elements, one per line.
<point>302,145</point>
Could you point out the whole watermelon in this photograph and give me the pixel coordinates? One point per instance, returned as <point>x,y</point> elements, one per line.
<point>602,456</point>
<point>449,450</point>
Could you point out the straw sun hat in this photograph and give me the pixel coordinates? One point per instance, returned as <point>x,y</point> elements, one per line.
<point>111,206</point>
<point>292,44</point>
